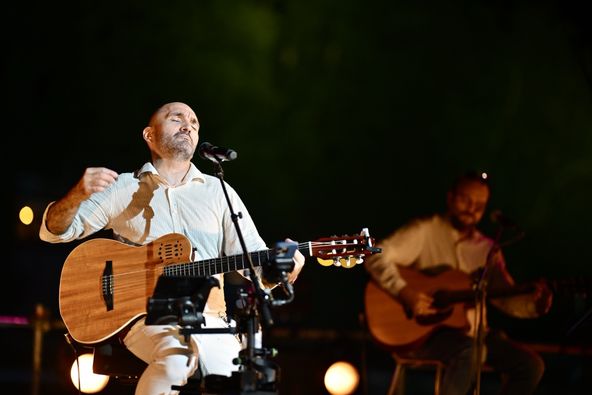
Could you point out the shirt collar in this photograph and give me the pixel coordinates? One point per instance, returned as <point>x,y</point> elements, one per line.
<point>474,236</point>
<point>192,175</point>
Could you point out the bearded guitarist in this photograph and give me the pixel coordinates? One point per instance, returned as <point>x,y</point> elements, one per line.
<point>405,311</point>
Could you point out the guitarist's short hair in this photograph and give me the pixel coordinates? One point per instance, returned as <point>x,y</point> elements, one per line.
<point>480,177</point>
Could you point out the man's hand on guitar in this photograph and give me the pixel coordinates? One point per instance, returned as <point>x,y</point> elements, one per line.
<point>299,261</point>
<point>416,303</point>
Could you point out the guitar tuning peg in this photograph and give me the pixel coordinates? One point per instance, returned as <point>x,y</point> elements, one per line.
<point>359,259</point>
<point>325,262</point>
<point>336,262</point>
<point>348,262</point>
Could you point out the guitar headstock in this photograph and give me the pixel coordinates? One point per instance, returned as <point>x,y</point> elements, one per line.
<point>345,251</point>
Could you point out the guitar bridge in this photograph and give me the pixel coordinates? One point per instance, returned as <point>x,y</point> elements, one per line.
<point>107,281</point>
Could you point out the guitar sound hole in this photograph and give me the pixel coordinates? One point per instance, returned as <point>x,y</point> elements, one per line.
<point>170,251</point>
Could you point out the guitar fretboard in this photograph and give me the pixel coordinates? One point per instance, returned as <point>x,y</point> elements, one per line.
<point>209,267</point>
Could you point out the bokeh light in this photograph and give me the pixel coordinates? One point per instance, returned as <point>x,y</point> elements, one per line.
<point>341,378</point>
<point>90,382</point>
<point>26,215</point>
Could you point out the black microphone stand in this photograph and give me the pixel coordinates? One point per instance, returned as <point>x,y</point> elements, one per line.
<point>480,317</point>
<point>481,302</point>
<point>248,355</point>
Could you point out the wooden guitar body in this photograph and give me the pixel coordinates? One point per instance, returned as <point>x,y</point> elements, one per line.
<point>387,319</point>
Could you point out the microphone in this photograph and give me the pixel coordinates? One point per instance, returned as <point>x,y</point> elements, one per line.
<point>497,217</point>
<point>216,154</point>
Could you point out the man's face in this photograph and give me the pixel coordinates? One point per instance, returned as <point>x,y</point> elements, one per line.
<point>175,131</point>
<point>467,203</point>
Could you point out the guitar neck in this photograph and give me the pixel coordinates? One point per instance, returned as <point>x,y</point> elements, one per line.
<point>210,267</point>
<point>445,298</point>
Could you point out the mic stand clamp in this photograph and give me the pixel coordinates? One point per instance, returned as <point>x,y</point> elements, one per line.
<point>257,375</point>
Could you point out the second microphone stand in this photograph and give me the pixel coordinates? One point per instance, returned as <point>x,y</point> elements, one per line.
<point>481,302</point>
<point>480,314</point>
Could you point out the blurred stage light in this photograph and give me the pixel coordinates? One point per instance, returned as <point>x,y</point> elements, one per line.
<point>90,382</point>
<point>26,215</point>
<point>341,378</point>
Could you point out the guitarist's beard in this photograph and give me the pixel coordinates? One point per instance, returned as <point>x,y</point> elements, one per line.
<point>462,226</point>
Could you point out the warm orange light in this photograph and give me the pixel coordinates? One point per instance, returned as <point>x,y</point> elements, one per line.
<point>90,382</point>
<point>341,378</point>
<point>26,215</point>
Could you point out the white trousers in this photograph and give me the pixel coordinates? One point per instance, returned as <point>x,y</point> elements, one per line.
<point>171,361</point>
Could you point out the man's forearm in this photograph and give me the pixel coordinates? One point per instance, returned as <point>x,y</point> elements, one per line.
<point>61,214</point>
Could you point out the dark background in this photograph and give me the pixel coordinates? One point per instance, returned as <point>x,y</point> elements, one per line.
<point>345,115</point>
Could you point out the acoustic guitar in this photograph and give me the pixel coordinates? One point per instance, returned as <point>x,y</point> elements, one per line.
<point>105,284</point>
<point>392,326</point>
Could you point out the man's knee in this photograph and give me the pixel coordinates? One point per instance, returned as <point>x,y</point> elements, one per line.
<point>174,368</point>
